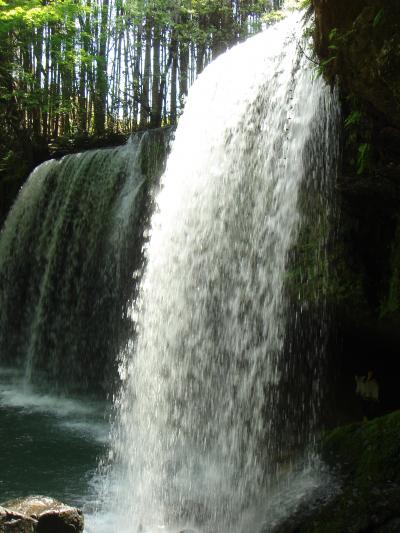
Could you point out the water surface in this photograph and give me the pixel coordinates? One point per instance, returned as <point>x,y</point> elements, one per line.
<point>49,444</point>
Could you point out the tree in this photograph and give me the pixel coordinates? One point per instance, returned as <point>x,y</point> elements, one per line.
<point>95,66</point>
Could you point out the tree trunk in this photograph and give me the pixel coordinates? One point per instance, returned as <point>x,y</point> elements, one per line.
<point>145,105</point>
<point>38,80</point>
<point>101,90</point>
<point>174,77</point>
<point>156,100</point>
<point>183,65</point>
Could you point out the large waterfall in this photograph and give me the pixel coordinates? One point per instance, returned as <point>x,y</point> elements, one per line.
<point>67,253</point>
<point>218,399</point>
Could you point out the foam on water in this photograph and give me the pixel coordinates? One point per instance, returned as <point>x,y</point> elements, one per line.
<point>82,416</point>
<point>297,487</point>
<point>49,445</point>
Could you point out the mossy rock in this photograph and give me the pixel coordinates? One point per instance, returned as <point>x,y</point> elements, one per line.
<point>369,451</point>
<point>365,459</point>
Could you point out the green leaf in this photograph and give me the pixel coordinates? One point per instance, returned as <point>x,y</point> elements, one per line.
<point>378,18</point>
<point>353,119</point>
<point>363,158</point>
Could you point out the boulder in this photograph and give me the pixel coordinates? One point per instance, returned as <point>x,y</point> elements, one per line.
<point>39,514</point>
<point>13,522</point>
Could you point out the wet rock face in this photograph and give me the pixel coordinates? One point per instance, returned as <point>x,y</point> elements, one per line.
<point>365,460</point>
<point>357,42</point>
<point>39,514</point>
<point>331,14</point>
<point>361,40</point>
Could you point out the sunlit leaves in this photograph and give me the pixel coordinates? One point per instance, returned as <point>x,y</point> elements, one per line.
<point>34,13</point>
<point>57,54</point>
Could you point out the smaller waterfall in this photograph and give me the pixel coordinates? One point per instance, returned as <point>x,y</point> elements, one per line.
<point>222,386</point>
<point>67,253</point>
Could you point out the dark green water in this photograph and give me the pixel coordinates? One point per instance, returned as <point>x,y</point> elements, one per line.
<point>48,445</point>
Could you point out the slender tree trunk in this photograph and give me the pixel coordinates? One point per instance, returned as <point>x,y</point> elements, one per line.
<point>101,91</point>
<point>174,79</point>
<point>83,73</point>
<point>156,98</point>
<point>183,64</point>
<point>145,104</point>
<point>38,80</point>
<point>115,111</point>
<point>67,84</point>
<point>136,74</point>
<point>201,45</point>
<point>46,96</point>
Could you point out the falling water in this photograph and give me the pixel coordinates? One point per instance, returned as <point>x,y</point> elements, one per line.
<point>203,434</point>
<point>67,252</point>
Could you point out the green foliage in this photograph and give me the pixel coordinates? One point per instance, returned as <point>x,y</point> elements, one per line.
<point>354,124</point>
<point>273,16</point>
<point>90,65</point>
<point>35,13</point>
<point>322,67</point>
<point>293,5</point>
<point>337,43</point>
<point>72,67</point>
<point>359,151</point>
<point>353,119</point>
<point>364,157</point>
<point>379,18</point>
<point>339,39</point>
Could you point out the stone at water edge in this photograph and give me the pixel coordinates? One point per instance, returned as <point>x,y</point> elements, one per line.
<point>12,522</point>
<point>39,514</point>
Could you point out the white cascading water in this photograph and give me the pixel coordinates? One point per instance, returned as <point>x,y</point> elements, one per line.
<point>199,441</point>
<point>67,252</point>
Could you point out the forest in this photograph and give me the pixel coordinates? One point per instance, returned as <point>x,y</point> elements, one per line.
<point>91,66</point>
<point>73,71</point>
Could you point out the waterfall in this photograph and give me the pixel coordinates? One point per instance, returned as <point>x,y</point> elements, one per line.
<point>209,419</point>
<point>67,252</point>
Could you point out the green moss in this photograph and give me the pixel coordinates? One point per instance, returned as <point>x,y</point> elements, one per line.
<point>369,451</point>
<point>323,265</point>
<point>307,275</point>
<point>154,152</point>
<point>368,457</point>
<point>320,269</point>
